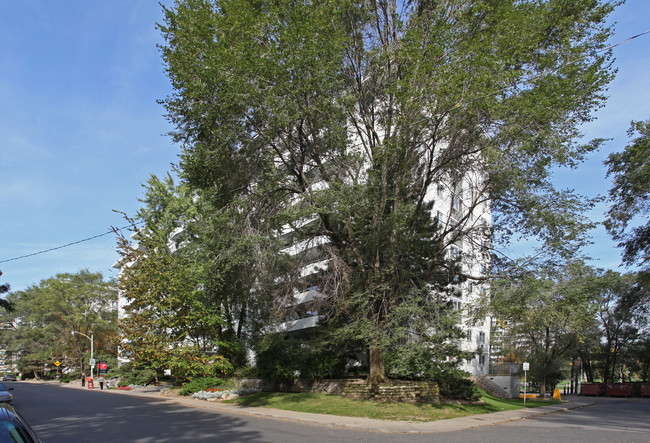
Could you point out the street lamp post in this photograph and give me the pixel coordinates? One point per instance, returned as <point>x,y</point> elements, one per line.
<point>92,346</point>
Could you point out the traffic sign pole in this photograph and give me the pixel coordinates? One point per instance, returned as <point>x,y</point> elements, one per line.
<point>526,368</point>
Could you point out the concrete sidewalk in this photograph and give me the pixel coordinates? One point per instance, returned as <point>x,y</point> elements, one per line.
<point>367,424</point>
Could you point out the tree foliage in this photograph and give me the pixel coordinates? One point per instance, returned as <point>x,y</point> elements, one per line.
<point>544,316</point>
<point>46,314</point>
<point>574,313</point>
<point>4,289</point>
<point>341,118</point>
<point>172,318</point>
<point>630,196</point>
<point>623,309</point>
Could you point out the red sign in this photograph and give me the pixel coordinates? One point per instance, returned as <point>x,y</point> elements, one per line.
<point>103,367</point>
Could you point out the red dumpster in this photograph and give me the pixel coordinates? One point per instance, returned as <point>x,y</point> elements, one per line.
<point>645,390</point>
<point>591,389</point>
<point>620,390</point>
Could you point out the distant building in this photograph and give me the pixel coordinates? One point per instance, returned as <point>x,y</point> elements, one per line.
<point>7,358</point>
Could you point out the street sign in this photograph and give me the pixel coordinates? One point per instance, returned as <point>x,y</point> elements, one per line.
<point>92,362</point>
<point>526,366</point>
<point>57,363</point>
<point>102,367</point>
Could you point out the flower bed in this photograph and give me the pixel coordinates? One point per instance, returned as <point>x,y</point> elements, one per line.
<point>219,394</point>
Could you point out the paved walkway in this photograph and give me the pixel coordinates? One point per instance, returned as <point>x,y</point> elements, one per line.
<point>368,424</point>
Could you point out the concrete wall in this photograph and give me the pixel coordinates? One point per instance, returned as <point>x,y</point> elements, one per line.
<point>509,383</point>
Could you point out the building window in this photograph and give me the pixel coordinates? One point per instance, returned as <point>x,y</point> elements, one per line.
<point>458,203</point>
<point>481,337</point>
<point>481,359</point>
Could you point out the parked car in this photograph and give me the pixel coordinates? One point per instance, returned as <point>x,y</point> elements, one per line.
<point>5,395</point>
<point>14,428</point>
<point>9,377</point>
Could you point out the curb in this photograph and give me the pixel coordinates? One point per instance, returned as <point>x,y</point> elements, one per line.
<point>355,423</point>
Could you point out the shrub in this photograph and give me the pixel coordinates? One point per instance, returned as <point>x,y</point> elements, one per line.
<point>70,376</point>
<point>246,372</point>
<point>140,377</point>
<point>202,383</point>
<point>187,363</point>
<point>455,383</point>
<point>278,357</point>
<point>419,363</point>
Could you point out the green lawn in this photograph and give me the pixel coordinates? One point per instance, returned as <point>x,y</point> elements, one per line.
<point>337,405</point>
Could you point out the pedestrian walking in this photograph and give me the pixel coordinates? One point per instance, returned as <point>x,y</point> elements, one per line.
<point>83,379</point>
<point>101,382</point>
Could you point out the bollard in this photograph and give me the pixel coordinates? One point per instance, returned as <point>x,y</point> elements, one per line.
<point>556,394</point>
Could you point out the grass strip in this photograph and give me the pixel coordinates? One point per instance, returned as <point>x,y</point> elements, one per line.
<point>400,411</point>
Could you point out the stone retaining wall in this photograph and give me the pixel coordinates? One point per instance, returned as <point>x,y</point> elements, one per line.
<point>395,391</point>
<point>411,392</point>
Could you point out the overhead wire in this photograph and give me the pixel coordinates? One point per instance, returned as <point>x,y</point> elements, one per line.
<point>68,244</point>
<point>458,105</point>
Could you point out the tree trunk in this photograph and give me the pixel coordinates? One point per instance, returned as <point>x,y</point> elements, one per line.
<point>377,367</point>
<point>589,373</point>
<point>542,388</point>
<point>573,376</point>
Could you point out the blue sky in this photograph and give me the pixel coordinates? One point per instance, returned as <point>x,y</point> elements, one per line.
<point>81,131</point>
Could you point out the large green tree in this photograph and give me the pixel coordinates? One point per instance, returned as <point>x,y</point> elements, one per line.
<point>342,118</point>
<point>46,314</point>
<point>630,195</point>
<point>623,308</point>
<point>173,315</point>
<point>544,316</point>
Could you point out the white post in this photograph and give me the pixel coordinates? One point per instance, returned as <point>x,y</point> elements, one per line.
<point>525,373</point>
<point>526,368</point>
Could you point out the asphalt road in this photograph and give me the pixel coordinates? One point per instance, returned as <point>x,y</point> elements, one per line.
<point>609,420</point>
<point>61,414</point>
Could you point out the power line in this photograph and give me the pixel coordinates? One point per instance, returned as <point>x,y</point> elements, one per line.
<point>68,244</point>
<point>449,110</point>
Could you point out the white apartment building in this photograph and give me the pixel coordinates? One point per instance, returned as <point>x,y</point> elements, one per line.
<point>7,358</point>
